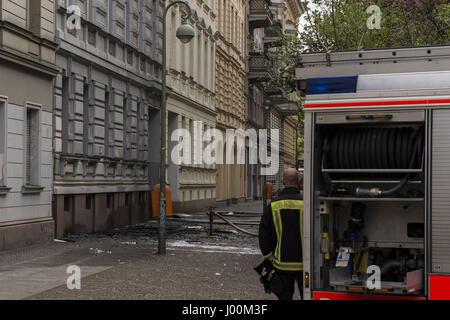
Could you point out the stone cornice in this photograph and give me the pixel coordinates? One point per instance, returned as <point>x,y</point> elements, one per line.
<point>67,49</point>
<point>194,104</point>
<point>219,36</point>
<point>239,64</point>
<point>24,33</point>
<point>22,58</point>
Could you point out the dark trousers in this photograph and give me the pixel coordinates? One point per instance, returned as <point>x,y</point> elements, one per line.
<point>287,282</point>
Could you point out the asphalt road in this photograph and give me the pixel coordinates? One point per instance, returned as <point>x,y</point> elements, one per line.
<point>124,264</point>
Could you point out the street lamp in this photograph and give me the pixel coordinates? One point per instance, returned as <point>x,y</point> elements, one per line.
<point>185,33</point>
<point>267,105</point>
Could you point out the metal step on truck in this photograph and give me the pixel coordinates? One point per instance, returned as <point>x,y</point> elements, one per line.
<point>376,221</point>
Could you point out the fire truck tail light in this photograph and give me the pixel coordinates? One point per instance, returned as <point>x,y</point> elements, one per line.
<point>306,280</point>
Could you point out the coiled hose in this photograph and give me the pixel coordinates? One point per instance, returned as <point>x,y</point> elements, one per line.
<point>374,148</point>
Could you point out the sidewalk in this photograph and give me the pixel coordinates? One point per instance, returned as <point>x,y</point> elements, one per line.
<point>123,264</point>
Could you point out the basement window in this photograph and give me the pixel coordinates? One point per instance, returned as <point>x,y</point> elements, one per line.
<point>89,202</point>
<point>67,204</point>
<point>109,201</point>
<point>142,197</point>
<point>128,199</point>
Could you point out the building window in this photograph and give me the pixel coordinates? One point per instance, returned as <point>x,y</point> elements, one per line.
<point>109,124</point>
<point>34,16</point>
<point>121,53</point>
<point>88,126</point>
<point>199,58</point>
<point>142,197</point>
<point>109,201</point>
<point>32,146</point>
<point>126,144</point>
<point>206,64</point>
<point>224,19</point>
<point>66,142</point>
<point>67,203</point>
<point>191,59</point>
<point>3,134</point>
<point>89,200</point>
<point>92,37</point>
<point>143,64</point>
<point>130,57</point>
<point>241,35</point>
<point>140,130</point>
<point>112,48</point>
<point>128,196</point>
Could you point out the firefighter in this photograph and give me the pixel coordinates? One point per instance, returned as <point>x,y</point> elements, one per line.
<point>280,238</point>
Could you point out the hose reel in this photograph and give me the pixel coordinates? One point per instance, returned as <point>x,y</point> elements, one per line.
<point>376,153</point>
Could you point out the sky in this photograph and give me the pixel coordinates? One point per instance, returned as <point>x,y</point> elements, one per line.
<point>304,17</point>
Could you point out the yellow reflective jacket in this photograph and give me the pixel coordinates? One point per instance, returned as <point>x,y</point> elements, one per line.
<point>281,231</point>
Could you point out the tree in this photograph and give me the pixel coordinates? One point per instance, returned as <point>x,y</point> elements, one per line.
<point>342,24</point>
<point>285,51</point>
<point>333,25</point>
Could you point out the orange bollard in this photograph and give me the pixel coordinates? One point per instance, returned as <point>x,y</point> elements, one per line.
<point>269,190</point>
<point>155,201</point>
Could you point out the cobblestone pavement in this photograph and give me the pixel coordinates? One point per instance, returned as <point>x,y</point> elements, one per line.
<point>123,264</point>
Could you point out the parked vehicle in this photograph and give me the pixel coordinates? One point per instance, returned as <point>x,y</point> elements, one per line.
<point>377,174</point>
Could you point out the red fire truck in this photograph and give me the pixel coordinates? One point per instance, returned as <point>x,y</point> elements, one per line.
<point>377,173</point>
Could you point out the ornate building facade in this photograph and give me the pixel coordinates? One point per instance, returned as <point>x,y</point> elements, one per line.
<point>293,10</point>
<point>258,70</point>
<point>106,113</point>
<point>27,71</point>
<point>191,104</point>
<point>267,18</point>
<point>230,91</point>
<point>284,110</point>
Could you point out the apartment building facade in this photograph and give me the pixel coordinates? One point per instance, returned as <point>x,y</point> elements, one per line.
<point>230,92</point>
<point>259,70</point>
<point>27,71</point>
<point>284,110</point>
<point>293,10</point>
<point>191,104</point>
<point>106,112</point>
<point>266,20</point>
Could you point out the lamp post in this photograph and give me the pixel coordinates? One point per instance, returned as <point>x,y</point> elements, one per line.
<point>185,33</point>
<point>266,106</point>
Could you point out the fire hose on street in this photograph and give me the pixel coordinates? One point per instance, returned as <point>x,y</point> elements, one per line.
<point>242,217</point>
<point>234,225</point>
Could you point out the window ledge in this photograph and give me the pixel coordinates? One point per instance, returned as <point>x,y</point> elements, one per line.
<point>32,189</point>
<point>4,190</point>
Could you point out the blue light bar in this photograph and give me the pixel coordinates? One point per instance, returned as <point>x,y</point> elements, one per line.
<point>331,85</point>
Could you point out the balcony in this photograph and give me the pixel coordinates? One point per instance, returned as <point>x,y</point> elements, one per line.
<point>260,15</point>
<point>260,67</point>
<point>285,103</point>
<point>274,92</point>
<point>272,35</point>
<point>290,28</point>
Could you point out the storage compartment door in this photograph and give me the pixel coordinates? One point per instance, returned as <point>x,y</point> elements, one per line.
<point>440,192</point>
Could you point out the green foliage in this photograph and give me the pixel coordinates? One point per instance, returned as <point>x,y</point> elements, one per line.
<point>285,64</point>
<point>335,25</point>
<point>342,24</point>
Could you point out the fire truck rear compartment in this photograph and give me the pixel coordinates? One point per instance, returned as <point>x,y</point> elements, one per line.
<point>369,202</point>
